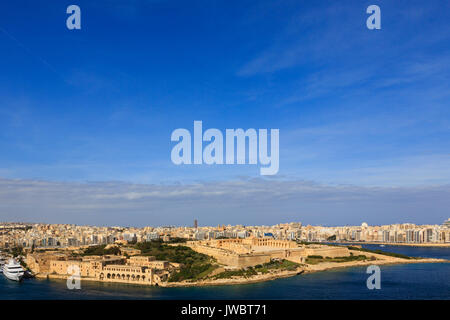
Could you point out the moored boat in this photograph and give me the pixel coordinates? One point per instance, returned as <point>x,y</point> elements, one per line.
<point>13,270</point>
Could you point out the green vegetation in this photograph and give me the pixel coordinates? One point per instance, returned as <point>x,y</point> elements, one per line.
<point>318,259</point>
<point>391,254</point>
<point>16,251</point>
<point>177,240</point>
<point>100,251</point>
<point>24,265</point>
<point>308,242</point>
<point>279,265</point>
<point>202,271</point>
<point>332,238</point>
<point>179,254</point>
<point>236,273</point>
<point>195,265</point>
<point>192,272</point>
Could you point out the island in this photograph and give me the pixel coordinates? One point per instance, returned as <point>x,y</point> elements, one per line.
<point>177,262</point>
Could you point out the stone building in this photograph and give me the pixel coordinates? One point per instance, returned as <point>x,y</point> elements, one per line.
<point>88,266</point>
<point>131,274</point>
<point>241,253</point>
<point>149,262</point>
<point>39,262</point>
<point>137,269</point>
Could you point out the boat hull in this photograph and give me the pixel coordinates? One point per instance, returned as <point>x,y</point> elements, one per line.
<point>14,276</point>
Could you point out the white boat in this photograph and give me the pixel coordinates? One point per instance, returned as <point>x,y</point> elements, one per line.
<point>13,270</point>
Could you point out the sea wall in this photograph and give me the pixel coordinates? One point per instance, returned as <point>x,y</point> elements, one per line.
<point>327,251</point>
<point>232,259</point>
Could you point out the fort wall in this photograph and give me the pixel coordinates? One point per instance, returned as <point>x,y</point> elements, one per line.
<point>243,253</point>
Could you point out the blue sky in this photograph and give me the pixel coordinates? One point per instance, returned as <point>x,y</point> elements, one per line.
<point>357,109</point>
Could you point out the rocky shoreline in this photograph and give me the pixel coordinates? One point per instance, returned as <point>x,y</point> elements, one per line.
<point>381,260</point>
<point>220,282</point>
<point>323,266</point>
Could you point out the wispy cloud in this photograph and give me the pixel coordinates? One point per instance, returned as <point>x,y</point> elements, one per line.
<point>248,201</point>
<point>309,35</point>
<point>320,61</point>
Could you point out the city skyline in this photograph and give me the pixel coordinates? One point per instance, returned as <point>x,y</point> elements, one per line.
<point>4,224</point>
<point>64,235</point>
<point>86,115</point>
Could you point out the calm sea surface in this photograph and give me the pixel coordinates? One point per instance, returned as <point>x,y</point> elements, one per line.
<point>409,281</point>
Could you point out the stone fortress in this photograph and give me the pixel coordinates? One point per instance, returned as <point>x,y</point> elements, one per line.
<point>109,268</point>
<point>138,269</point>
<point>242,253</point>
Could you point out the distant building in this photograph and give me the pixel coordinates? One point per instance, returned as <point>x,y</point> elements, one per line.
<point>199,235</point>
<point>131,237</point>
<point>152,236</point>
<point>242,234</point>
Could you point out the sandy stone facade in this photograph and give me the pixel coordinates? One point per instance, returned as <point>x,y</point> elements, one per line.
<point>241,253</point>
<point>137,269</point>
<point>39,262</point>
<point>326,251</point>
<point>88,266</point>
<point>148,262</point>
<point>131,274</point>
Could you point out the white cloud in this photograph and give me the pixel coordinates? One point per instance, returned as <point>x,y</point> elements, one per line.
<point>248,201</point>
